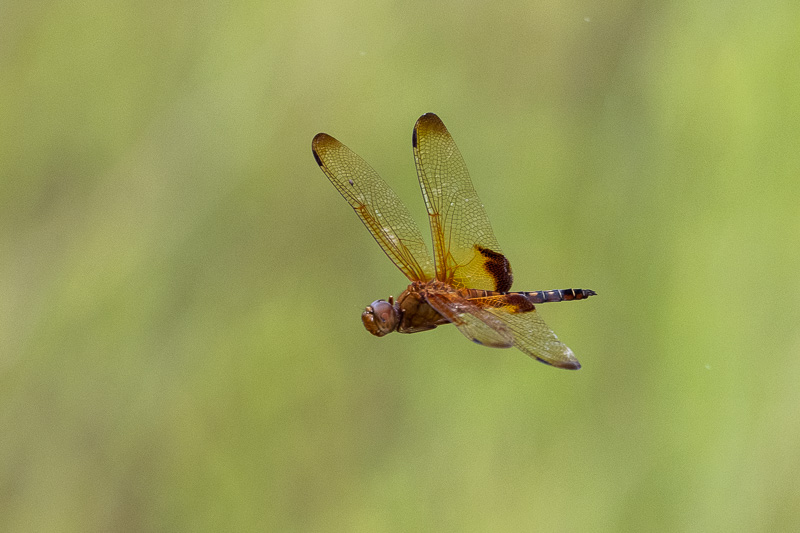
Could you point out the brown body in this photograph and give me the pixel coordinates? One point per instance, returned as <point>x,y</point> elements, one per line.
<point>413,313</point>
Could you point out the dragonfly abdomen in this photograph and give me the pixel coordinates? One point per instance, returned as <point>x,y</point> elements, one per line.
<point>557,295</point>
<point>534,297</point>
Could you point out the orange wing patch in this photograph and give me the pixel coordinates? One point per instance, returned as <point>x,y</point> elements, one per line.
<point>475,323</point>
<point>531,334</point>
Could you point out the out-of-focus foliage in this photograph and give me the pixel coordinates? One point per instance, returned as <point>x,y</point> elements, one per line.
<point>180,286</point>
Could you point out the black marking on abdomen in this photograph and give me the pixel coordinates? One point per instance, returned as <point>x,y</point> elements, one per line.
<point>558,295</point>
<point>498,267</point>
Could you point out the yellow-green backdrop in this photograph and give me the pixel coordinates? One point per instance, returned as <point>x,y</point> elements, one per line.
<point>180,286</point>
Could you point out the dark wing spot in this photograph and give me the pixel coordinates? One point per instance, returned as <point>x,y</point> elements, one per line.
<point>519,303</point>
<point>498,267</point>
<point>316,156</point>
<point>414,138</point>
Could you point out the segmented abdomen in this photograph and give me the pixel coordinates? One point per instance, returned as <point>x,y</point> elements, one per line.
<point>538,297</point>
<point>558,295</point>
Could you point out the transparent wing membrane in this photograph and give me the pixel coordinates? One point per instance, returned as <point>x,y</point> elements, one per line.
<point>376,204</point>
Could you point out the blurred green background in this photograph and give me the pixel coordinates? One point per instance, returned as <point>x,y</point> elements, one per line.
<point>180,344</point>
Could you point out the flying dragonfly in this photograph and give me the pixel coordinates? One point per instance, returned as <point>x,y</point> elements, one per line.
<point>468,281</point>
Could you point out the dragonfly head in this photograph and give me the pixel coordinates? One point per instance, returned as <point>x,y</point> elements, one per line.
<point>380,318</point>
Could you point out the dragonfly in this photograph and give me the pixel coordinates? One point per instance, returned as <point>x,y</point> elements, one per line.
<point>467,283</point>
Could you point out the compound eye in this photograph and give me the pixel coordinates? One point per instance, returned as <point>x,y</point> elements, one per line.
<point>383,311</point>
<point>380,318</point>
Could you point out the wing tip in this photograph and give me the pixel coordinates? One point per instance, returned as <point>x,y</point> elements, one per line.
<point>565,365</point>
<point>571,365</point>
<point>320,139</point>
<point>430,121</point>
<point>321,143</point>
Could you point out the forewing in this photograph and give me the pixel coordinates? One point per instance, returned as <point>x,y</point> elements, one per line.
<point>378,207</point>
<point>465,250</point>
<point>475,323</point>
<point>531,334</point>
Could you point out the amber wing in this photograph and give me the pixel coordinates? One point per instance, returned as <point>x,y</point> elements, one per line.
<point>466,252</point>
<point>475,323</point>
<point>378,207</point>
<point>530,333</point>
